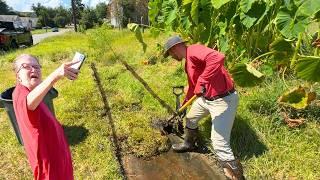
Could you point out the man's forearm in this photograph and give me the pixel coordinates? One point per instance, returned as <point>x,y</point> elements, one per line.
<point>35,97</point>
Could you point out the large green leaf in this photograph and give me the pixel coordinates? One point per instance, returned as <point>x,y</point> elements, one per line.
<point>308,8</point>
<point>282,49</point>
<point>289,26</point>
<point>245,5</point>
<point>186,2</point>
<point>268,5</point>
<point>251,11</point>
<point>154,7</point>
<point>288,4</point>
<point>170,12</point>
<point>246,75</point>
<point>186,24</point>
<point>205,13</point>
<point>308,68</point>
<point>218,3</point>
<point>281,44</point>
<point>294,18</point>
<point>136,29</point>
<point>223,44</point>
<point>247,20</point>
<point>195,11</point>
<point>222,28</point>
<point>297,98</point>
<point>298,2</point>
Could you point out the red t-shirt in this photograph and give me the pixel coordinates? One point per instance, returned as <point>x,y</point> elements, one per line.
<point>204,67</point>
<point>44,140</point>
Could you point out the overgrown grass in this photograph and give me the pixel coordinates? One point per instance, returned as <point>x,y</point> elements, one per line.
<point>78,108</point>
<point>265,145</point>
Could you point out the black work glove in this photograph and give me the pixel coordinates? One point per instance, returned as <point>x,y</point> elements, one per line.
<point>183,113</point>
<point>203,90</point>
<point>200,91</point>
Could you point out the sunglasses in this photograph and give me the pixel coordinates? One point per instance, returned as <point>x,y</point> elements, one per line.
<point>29,67</point>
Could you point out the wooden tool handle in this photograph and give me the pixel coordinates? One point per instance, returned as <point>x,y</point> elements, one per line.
<point>187,103</point>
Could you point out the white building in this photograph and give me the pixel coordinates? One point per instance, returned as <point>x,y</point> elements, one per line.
<point>116,13</point>
<point>18,22</point>
<point>29,22</point>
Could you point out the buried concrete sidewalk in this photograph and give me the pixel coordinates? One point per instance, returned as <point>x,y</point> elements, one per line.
<point>171,165</point>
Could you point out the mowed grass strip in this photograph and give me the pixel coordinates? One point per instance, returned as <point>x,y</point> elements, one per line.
<point>266,146</point>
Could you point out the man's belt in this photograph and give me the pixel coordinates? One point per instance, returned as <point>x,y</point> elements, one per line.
<point>221,95</point>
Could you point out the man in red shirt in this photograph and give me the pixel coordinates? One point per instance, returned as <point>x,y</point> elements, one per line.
<point>44,140</point>
<point>210,81</point>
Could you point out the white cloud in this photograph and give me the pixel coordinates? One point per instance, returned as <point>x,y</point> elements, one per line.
<point>25,5</point>
<point>93,3</point>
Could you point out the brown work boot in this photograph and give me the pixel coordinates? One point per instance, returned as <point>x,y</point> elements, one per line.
<point>189,141</point>
<point>233,169</point>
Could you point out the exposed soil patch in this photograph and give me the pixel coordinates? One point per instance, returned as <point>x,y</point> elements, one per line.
<point>171,165</point>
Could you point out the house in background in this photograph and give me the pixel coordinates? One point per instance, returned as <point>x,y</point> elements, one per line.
<point>29,22</point>
<point>12,18</point>
<point>115,11</point>
<point>20,22</point>
<point>134,12</point>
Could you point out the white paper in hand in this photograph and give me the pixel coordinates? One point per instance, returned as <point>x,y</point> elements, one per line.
<point>78,57</point>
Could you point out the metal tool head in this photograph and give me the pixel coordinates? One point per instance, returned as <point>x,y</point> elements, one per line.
<point>177,90</point>
<point>167,126</point>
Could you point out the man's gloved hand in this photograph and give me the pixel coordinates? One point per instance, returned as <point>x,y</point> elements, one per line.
<point>183,113</point>
<point>200,90</point>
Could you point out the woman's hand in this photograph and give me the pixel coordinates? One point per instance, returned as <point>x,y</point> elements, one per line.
<point>65,70</point>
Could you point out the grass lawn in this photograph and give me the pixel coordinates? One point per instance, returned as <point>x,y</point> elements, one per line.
<point>267,148</point>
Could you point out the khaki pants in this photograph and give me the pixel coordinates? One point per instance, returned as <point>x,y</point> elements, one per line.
<point>222,111</point>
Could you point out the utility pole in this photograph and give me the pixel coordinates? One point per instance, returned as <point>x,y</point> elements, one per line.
<point>141,22</point>
<point>74,15</point>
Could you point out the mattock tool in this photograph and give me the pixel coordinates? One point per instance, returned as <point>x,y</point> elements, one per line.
<point>178,91</point>
<point>171,124</point>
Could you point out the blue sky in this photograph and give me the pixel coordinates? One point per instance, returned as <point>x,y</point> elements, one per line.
<point>25,5</point>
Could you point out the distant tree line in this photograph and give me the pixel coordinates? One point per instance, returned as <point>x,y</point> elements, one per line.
<point>89,17</point>
<point>85,16</point>
<point>125,11</point>
<point>5,9</point>
<point>52,17</point>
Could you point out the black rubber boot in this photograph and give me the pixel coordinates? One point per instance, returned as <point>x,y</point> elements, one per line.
<point>189,141</point>
<point>233,169</point>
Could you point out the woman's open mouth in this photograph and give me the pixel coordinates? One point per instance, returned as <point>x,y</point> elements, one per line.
<point>34,77</point>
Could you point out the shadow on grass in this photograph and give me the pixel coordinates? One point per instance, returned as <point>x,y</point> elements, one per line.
<point>75,134</point>
<point>245,142</point>
<point>148,88</point>
<point>107,109</point>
